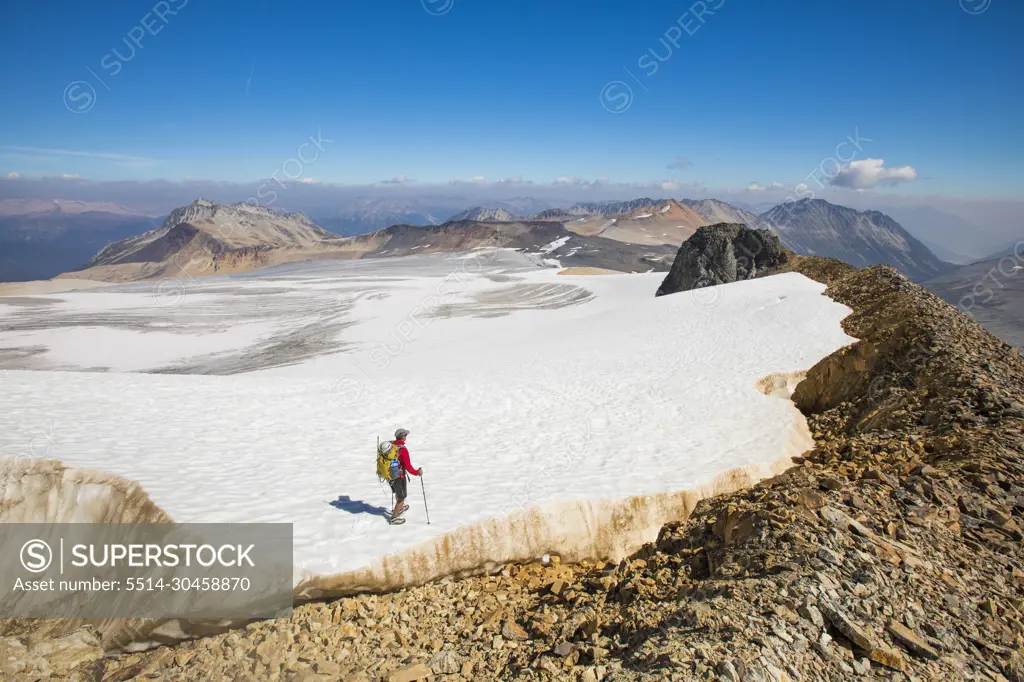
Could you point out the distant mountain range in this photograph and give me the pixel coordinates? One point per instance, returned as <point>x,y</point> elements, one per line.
<point>814,227</point>
<point>480,213</point>
<point>715,211</point>
<point>639,221</point>
<point>990,291</point>
<point>369,214</point>
<point>41,239</point>
<point>950,237</point>
<point>549,241</point>
<point>207,237</point>
<point>807,227</point>
<point>500,211</point>
<point>1014,249</point>
<point>643,221</point>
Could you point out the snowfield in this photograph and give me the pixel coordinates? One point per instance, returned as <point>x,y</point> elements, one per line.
<point>553,414</point>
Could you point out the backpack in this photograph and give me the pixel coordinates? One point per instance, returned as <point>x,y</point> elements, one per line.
<point>388,466</point>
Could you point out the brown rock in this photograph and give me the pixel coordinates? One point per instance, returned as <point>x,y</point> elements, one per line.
<point>735,526</point>
<point>1014,668</point>
<point>446,663</point>
<point>811,613</point>
<point>548,666</point>
<point>890,658</point>
<point>348,631</point>
<point>811,499</point>
<point>410,674</point>
<point>830,483</point>
<point>511,630</point>
<point>911,641</point>
<point>842,622</point>
<point>563,649</point>
<point>70,651</point>
<point>784,612</point>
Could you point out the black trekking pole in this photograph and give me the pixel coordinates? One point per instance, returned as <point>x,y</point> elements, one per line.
<point>423,487</point>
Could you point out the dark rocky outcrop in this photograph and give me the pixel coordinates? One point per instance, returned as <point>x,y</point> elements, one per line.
<point>723,253</point>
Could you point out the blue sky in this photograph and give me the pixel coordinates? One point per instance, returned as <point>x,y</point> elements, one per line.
<point>757,92</point>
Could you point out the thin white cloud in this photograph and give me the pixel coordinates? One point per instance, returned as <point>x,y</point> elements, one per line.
<point>397,180</point>
<point>644,186</point>
<point>868,173</point>
<point>477,180</point>
<point>43,151</point>
<point>680,163</point>
<point>671,185</point>
<point>571,182</point>
<point>308,181</point>
<point>69,176</point>
<point>755,187</point>
<point>13,175</point>
<point>581,183</point>
<point>517,180</point>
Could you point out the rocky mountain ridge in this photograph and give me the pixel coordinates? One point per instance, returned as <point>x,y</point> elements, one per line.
<point>549,242</point>
<point>238,225</point>
<point>485,214</point>
<point>205,237</point>
<point>715,211</point>
<point>815,227</point>
<point>811,227</point>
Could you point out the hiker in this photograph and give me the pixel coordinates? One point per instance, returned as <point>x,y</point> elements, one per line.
<point>398,485</point>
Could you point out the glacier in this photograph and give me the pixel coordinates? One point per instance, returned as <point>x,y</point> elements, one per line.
<point>568,415</point>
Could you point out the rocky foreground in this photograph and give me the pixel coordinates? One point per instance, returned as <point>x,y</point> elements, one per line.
<point>893,551</point>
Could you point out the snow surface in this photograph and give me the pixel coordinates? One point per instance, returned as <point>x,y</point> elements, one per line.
<point>645,215</point>
<point>521,392</point>
<point>126,350</point>
<point>552,246</point>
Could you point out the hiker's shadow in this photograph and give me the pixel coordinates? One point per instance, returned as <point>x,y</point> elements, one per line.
<point>346,503</point>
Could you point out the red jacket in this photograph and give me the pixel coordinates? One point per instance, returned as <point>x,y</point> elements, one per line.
<point>403,458</point>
